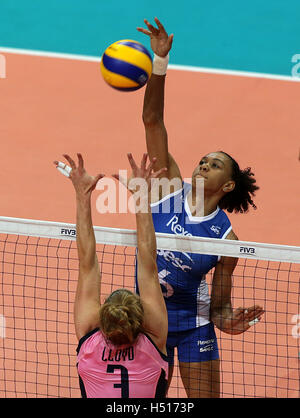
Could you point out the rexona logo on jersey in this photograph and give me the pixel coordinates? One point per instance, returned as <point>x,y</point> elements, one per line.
<point>177,228</point>
<point>247,250</point>
<point>71,232</point>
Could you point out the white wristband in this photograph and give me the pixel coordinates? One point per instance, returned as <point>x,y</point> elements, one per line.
<point>160,65</point>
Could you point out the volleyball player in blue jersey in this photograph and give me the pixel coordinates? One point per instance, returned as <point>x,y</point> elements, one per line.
<point>192,313</point>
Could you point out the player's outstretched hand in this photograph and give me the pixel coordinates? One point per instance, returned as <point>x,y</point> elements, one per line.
<point>141,176</point>
<point>240,320</point>
<point>161,42</point>
<point>83,183</point>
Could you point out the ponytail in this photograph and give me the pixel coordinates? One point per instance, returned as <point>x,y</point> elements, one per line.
<point>240,198</point>
<point>121,317</point>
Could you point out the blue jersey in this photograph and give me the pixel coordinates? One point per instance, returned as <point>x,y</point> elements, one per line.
<point>182,275</point>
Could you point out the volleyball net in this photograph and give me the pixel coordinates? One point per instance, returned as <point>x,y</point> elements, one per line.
<point>39,269</point>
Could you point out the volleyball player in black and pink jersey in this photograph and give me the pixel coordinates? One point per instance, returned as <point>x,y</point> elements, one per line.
<point>122,344</point>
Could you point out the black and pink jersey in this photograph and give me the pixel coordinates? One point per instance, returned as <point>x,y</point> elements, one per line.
<point>107,371</point>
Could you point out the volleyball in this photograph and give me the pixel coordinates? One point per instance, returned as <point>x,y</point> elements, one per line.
<point>126,65</point>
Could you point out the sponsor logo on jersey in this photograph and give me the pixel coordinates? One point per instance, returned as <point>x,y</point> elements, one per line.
<point>216,229</point>
<point>176,228</point>
<point>175,261</point>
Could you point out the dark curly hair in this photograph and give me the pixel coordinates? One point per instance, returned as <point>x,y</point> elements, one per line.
<point>239,199</point>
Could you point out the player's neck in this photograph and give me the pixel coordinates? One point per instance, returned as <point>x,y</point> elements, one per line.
<point>201,207</point>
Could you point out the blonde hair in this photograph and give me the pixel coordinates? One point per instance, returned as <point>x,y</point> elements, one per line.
<point>121,317</point>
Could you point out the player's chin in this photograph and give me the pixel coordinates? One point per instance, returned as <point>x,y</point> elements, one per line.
<point>199,181</point>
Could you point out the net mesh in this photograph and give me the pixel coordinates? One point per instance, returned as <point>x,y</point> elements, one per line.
<point>38,276</point>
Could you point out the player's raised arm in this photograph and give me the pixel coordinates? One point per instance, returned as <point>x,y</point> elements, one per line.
<point>153,109</point>
<point>87,301</point>
<point>155,313</point>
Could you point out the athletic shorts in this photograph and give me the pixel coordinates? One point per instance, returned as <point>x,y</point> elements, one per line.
<point>195,345</point>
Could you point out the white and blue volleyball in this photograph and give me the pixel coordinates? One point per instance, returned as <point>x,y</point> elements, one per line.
<point>126,65</point>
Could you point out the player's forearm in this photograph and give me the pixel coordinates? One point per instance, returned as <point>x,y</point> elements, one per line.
<point>146,239</point>
<point>85,237</point>
<point>153,109</point>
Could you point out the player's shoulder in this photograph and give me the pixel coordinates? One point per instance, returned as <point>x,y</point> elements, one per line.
<point>229,261</point>
<point>157,343</point>
<point>91,336</point>
<point>232,235</point>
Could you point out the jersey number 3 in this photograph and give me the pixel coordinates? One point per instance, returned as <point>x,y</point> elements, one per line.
<point>124,385</point>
